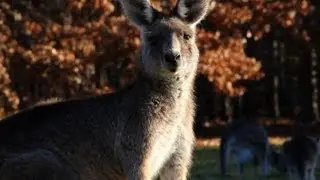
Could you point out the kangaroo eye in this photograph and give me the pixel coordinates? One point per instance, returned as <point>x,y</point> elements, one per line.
<point>186,36</point>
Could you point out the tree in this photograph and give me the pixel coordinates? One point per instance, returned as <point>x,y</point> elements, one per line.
<point>83,47</point>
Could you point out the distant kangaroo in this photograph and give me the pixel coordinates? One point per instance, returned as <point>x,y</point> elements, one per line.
<point>248,142</point>
<point>301,155</point>
<point>141,132</point>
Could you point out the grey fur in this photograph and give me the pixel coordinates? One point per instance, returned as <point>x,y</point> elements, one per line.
<point>301,155</point>
<point>248,142</point>
<point>138,133</point>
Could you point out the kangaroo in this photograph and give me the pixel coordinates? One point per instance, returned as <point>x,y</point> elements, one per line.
<point>141,132</point>
<point>301,155</point>
<point>248,141</point>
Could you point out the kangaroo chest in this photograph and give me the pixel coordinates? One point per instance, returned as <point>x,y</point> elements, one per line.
<point>162,146</point>
<point>165,130</point>
<point>155,123</point>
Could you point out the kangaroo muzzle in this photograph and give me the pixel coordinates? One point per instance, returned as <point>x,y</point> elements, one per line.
<point>173,61</point>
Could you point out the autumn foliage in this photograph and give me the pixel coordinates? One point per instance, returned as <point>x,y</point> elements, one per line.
<point>81,47</point>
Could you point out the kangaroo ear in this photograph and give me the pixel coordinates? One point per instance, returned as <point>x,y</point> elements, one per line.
<point>192,11</point>
<point>139,12</point>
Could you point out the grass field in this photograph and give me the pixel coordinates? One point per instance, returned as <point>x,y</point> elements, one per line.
<point>206,167</point>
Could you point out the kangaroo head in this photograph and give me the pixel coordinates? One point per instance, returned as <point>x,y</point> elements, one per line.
<point>168,41</point>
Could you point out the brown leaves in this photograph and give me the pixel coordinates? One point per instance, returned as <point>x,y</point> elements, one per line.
<point>60,54</point>
<point>224,60</point>
<point>257,16</point>
<point>228,64</point>
<point>79,47</point>
<point>8,97</point>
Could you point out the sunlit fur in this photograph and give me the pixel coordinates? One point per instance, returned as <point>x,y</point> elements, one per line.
<point>51,100</point>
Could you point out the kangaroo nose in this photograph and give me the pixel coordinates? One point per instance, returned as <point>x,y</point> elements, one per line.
<point>172,58</point>
<point>172,61</point>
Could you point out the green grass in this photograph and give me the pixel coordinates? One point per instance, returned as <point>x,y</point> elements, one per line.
<point>206,167</point>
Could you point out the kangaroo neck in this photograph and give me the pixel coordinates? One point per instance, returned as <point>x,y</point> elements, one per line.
<point>159,101</point>
<point>165,88</point>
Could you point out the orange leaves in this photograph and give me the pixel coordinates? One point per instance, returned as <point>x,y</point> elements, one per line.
<point>47,55</point>
<point>224,60</point>
<point>257,16</point>
<point>60,53</point>
<point>32,28</point>
<point>226,15</point>
<point>78,47</point>
<point>9,98</point>
<point>228,64</point>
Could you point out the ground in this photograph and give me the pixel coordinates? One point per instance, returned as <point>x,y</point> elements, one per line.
<point>206,164</point>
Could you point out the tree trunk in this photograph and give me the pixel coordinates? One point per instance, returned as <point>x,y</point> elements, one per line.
<point>314,83</point>
<point>276,80</point>
<point>282,57</point>
<point>228,109</point>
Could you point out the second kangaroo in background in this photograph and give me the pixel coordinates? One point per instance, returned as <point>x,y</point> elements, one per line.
<point>248,142</point>
<point>301,155</point>
<point>138,133</point>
